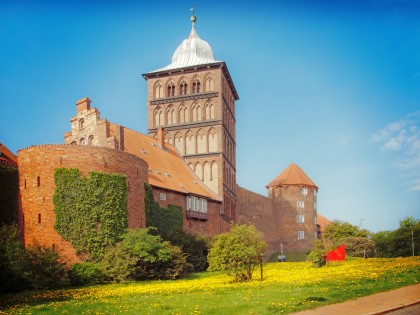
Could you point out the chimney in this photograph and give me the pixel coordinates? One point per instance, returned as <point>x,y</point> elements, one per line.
<point>83,104</point>
<point>161,137</point>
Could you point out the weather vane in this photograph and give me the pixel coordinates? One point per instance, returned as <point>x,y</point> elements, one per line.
<point>193,18</point>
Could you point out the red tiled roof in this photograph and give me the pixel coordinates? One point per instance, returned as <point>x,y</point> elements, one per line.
<point>6,156</point>
<point>292,176</point>
<point>167,168</point>
<point>323,222</point>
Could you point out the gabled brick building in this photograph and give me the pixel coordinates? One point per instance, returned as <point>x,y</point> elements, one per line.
<point>188,157</point>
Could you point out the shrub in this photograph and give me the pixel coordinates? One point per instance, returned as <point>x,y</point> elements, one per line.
<point>318,254</point>
<point>195,247</point>
<point>141,256</point>
<point>359,246</point>
<point>118,264</point>
<point>238,252</point>
<point>46,270</point>
<point>86,273</point>
<point>15,271</point>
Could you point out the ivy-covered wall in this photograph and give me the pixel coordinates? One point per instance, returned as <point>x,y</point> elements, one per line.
<point>9,195</point>
<point>91,212</point>
<point>163,219</point>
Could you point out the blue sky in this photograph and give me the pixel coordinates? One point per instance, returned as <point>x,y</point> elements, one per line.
<point>333,86</point>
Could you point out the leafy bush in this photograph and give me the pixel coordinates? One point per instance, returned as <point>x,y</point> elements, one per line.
<point>141,256</point>
<point>118,264</point>
<point>318,254</point>
<point>86,273</point>
<point>359,246</point>
<point>46,270</point>
<point>238,252</point>
<point>15,271</point>
<point>195,247</point>
<point>33,268</point>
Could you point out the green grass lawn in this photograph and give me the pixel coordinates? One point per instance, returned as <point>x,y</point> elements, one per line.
<point>286,288</point>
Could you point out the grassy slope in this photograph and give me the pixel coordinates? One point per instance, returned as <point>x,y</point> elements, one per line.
<point>287,287</point>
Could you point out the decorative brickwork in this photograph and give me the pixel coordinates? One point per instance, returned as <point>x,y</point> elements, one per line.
<point>36,168</point>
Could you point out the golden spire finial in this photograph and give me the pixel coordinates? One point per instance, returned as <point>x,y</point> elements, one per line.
<point>193,17</point>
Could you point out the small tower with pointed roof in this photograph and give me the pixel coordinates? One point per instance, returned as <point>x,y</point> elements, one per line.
<point>294,197</point>
<point>193,99</point>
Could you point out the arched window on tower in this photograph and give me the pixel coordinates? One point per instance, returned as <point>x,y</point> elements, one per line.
<point>196,86</point>
<point>171,89</point>
<point>158,90</point>
<point>170,115</point>
<point>183,87</point>
<point>158,117</point>
<point>183,114</point>
<point>90,140</point>
<point>82,141</point>
<point>81,123</point>
<point>209,84</point>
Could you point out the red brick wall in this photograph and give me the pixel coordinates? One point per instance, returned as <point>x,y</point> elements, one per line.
<point>41,161</point>
<point>285,202</point>
<point>258,210</point>
<point>214,225</point>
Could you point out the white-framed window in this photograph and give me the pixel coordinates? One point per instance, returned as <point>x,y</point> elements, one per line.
<point>315,220</point>
<point>300,218</point>
<point>301,204</point>
<point>301,235</point>
<point>196,204</point>
<point>162,196</point>
<point>315,205</point>
<point>304,191</point>
<point>314,190</point>
<point>315,234</point>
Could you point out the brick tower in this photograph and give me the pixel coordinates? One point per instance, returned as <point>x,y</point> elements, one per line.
<point>193,101</point>
<point>294,197</point>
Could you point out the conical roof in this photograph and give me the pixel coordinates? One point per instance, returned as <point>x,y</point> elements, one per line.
<point>292,176</point>
<point>192,51</point>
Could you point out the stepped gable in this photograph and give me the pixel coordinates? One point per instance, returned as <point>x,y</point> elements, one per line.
<point>7,158</point>
<point>293,176</point>
<point>167,168</point>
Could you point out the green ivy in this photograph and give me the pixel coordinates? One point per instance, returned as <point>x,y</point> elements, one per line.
<point>9,195</point>
<point>91,213</point>
<point>163,219</point>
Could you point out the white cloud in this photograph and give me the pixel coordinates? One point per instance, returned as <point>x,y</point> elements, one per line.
<point>401,140</point>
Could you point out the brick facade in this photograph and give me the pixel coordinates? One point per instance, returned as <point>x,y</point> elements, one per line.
<point>277,216</point>
<point>37,165</point>
<point>199,123</point>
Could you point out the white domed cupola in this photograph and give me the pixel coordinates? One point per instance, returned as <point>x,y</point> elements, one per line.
<point>191,52</point>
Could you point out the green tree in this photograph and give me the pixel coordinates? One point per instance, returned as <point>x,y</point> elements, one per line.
<point>359,246</point>
<point>238,252</point>
<point>400,241</point>
<point>338,230</point>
